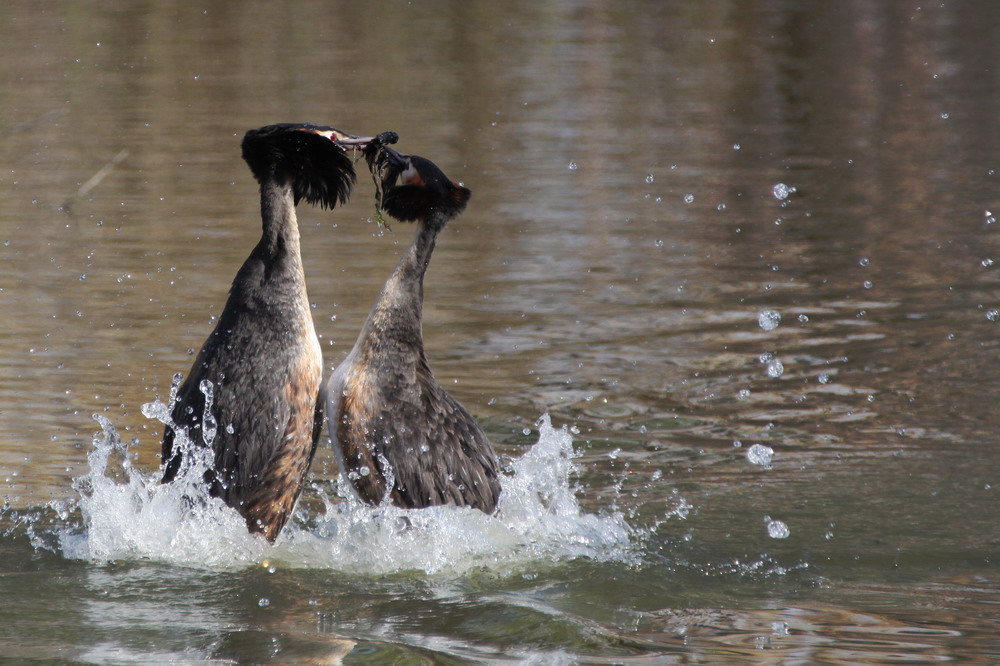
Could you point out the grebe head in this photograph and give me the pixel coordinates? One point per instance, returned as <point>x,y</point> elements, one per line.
<point>312,159</point>
<point>411,187</point>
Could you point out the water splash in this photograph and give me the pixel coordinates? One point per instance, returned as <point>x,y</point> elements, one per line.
<point>125,513</point>
<point>209,425</point>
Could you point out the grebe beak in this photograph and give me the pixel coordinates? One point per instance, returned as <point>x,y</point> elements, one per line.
<point>352,142</point>
<point>345,140</point>
<point>393,157</point>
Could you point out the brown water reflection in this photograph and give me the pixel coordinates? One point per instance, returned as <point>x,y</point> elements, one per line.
<point>622,239</point>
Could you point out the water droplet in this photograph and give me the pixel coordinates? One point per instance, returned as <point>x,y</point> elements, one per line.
<point>721,206</point>
<point>944,116</point>
<point>779,628</point>
<point>782,191</point>
<point>743,394</point>
<point>689,198</point>
<point>264,602</point>
<point>209,424</point>
<point>526,431</point>
<point>759,454</point>
<point>824,378</point>
<point>571,166</point>
<point>155,410</point>
<point>867,284</point>
<point>737,443</point>
<point>658,242</point>
<point>986,263</point>
<point>777,529</point>
<point>993,315</point>
<point>775,369</point>
<point>736,146</point>
<point>803,318</point>
<point>768,319</point>
<point>649,178</point>
<point>864,261</point>
<point>364,471</point>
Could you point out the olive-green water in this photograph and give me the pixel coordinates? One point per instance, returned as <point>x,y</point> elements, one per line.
<point>654,185</point>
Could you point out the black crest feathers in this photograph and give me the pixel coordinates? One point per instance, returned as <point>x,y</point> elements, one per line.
<point>318,170</point>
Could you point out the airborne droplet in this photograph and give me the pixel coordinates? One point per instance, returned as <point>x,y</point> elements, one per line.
<point>776,529</point>
<point>768,319</point>
<point>782,191</point>
<point>759,454</point>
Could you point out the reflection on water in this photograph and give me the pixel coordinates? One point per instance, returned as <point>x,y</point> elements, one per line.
<point>649,179</point>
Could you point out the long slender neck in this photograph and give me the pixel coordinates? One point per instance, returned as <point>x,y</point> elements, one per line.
<point>272,279</point>
<point>394,323</point>
<point>281,229</point>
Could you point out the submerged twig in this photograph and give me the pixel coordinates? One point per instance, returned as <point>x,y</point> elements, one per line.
<point>20,127</point>
<point>95,180</point>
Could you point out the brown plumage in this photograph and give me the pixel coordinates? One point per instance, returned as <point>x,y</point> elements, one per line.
<point>263,359</point>
<point>396,432</point>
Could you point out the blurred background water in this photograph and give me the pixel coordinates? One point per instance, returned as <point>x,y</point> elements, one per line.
<point>745,252</point>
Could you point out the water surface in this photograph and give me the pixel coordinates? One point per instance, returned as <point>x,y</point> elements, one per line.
<point>648,179</point>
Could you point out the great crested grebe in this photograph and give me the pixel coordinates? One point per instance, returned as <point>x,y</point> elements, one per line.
<point>263,359</point>
<point>395,431</point>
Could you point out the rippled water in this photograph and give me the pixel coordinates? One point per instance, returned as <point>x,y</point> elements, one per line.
<point>743,255</point>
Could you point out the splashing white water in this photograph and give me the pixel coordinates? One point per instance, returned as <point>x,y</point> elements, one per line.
<point>128,514</point>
